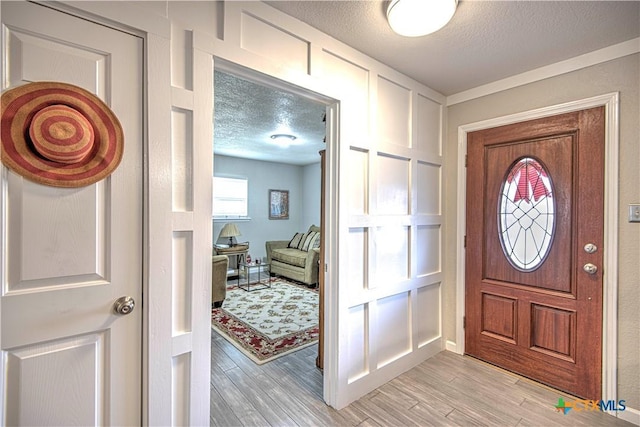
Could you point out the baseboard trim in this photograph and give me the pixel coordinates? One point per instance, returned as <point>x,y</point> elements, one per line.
<point>451,346</point>
<point>631,415</point>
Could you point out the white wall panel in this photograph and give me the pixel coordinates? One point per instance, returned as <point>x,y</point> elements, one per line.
<point>358,348</point>
<point>358,259</point>
<point>391,255</point>
<point>393,328</point>
<point>385,171</point>
<point>428,188</point>
<point>268,40</point>
<point>351,80</point>
<point>181,58</point>
<point>49,386</point>
<point>393,189</point>
<point>428,244</point>
<point>429,126</point>
<point>394,113</point>
<point>182,159</point>
<point>358,181</point>
<point>428,314</point>
<point>180,389</point>
<point>182,282</point>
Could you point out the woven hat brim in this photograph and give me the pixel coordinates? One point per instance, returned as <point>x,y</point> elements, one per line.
<point>20,104</point>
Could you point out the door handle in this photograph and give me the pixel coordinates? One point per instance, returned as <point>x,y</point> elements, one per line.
<point>124,305</point>
<point>590,268</point>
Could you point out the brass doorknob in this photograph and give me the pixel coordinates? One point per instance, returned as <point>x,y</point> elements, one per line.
<point>124,305</point>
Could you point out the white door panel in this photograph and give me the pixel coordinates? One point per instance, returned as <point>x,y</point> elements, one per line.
<point>36,236</point>
<point>49,59</point>
<point>68,253</point>
<point>67,390</point>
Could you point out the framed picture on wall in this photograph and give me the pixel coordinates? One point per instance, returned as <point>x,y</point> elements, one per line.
<point>278,204</point>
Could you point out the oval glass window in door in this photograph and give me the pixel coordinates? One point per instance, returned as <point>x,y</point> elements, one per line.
<point>526,214</point>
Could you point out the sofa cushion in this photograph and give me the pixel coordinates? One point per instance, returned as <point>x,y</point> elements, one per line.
<point>295,242</point>
<point>290,256</point>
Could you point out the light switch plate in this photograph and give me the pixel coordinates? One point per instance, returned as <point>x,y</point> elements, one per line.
<point>634,212</point>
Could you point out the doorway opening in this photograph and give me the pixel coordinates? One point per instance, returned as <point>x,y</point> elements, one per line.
<point>250,111</point>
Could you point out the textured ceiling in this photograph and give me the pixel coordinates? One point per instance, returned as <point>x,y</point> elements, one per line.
<point>484,42</point>
<point>247,114</point>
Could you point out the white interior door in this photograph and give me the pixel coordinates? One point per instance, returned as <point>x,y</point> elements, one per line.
<point>68,254</point>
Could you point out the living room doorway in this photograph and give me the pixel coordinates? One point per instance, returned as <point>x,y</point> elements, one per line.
<point>252,112</point>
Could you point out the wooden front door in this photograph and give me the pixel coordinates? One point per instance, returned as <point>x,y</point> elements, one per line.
<point>534,249</point>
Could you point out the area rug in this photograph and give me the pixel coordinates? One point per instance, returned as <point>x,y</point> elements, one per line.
<point>268,323</point>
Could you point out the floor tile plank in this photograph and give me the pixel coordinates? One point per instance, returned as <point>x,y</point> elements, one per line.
<point>445,390</point>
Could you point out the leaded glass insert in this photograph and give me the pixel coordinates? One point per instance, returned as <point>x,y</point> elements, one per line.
<point>526,214</point>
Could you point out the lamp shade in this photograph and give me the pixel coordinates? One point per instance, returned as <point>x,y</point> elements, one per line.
<point>229,230</point>
<point>413,18</point>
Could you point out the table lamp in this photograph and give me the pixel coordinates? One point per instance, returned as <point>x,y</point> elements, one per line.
<point>229,230</point>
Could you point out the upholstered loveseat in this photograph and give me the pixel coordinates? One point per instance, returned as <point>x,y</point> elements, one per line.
<point>296,258</point>
<point>219,266</point>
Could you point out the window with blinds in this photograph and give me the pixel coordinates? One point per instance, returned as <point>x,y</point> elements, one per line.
<point>230,198</point>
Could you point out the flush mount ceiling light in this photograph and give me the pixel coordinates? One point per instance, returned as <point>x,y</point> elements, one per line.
<point>414,18</point>
<point>283,139</point>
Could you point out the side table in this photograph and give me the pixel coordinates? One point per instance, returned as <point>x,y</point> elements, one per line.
<point>238,253</point>
<point>260,282</point>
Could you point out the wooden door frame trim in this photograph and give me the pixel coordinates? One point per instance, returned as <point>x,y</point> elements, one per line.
<point>610,296</point>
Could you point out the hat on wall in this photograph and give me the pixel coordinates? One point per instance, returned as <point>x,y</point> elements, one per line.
<point>59,134</point>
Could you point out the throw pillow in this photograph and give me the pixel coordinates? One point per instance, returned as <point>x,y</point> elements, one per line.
<point>308,240</point>
<point>302,239</point>
<point>295,242</point>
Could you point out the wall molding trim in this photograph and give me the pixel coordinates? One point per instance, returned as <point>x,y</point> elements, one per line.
<point>610,295</point>
<point>631,415</point>
<point>582,61</point>
<point>451,346</point>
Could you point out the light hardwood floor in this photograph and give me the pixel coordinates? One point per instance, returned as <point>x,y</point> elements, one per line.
<point>447,389</point>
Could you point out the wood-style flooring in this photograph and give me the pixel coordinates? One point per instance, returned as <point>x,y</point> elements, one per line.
<point>445,390</point>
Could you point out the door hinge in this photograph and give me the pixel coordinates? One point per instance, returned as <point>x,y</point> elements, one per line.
<point>464,322</point>
<point>466,160</point>
<point>465,241</point>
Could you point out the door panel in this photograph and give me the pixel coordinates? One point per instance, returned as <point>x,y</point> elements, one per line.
<point>64,391</point>
<point>37,265</point>
<point>557,154</point>
<point>535,197</point>
<point>69,253</point>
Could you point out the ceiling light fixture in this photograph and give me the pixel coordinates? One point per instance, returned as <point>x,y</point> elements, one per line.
<point>283,139</point>
<point>414,18</point>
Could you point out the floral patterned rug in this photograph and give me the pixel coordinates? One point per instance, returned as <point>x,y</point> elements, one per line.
<point>268,323</point>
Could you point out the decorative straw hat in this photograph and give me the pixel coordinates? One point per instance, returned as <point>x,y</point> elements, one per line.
<point>59,134</point>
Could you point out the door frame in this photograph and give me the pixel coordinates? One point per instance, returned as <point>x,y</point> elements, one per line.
<point>610,292</point>
<point>247,71</point>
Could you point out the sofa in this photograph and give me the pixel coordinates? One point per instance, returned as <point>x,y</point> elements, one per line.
<point>296,259</point>
<point>219,266</point>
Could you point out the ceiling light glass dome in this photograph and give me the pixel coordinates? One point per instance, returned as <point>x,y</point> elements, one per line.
<point>414,18</point>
